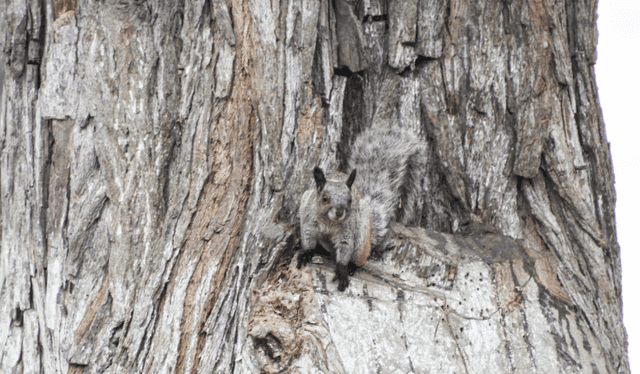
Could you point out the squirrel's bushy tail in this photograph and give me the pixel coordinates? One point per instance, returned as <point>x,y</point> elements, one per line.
<point>390,165</point>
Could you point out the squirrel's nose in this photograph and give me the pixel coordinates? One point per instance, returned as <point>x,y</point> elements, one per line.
<point>340,213</point>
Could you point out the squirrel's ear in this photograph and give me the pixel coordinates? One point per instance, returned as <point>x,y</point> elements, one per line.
<point>352,177</point>
<point>318,175</point>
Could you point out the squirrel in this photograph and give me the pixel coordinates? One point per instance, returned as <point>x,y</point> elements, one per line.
<point>350,215</point>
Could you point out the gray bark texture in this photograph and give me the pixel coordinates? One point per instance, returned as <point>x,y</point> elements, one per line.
<point>154,154</point>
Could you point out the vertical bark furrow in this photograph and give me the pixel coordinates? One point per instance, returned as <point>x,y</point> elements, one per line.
<point>430,28</point>
<point>403,17</point>
<point>349,37</point>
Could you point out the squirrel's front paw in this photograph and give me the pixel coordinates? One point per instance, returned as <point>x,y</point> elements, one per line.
<point>342,275</point>
<point>344,283</point>
<point>304,258</point>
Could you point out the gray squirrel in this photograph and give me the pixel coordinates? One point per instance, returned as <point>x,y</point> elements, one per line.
<point>350,215</point>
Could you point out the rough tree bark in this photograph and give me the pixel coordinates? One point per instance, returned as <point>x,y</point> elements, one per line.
<point>154,154</point>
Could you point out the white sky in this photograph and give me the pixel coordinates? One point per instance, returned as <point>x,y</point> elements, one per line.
<point>618,79</point>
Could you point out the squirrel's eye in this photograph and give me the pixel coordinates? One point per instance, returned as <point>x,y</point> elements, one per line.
<point>325,198</point>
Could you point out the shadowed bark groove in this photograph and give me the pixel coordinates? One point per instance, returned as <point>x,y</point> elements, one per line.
<point>154,155</point>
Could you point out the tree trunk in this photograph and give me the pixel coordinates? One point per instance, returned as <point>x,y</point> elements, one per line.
<point>154,154</point>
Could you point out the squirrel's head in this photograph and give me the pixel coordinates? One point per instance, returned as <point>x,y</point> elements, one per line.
<point>334,195</point>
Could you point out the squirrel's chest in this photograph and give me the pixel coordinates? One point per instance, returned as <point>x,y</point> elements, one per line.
<point>331,232</point>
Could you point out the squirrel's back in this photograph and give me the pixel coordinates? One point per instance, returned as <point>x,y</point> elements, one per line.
<point>391,165</point>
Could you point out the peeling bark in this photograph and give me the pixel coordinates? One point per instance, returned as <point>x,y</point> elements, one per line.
<point>154,155</point>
